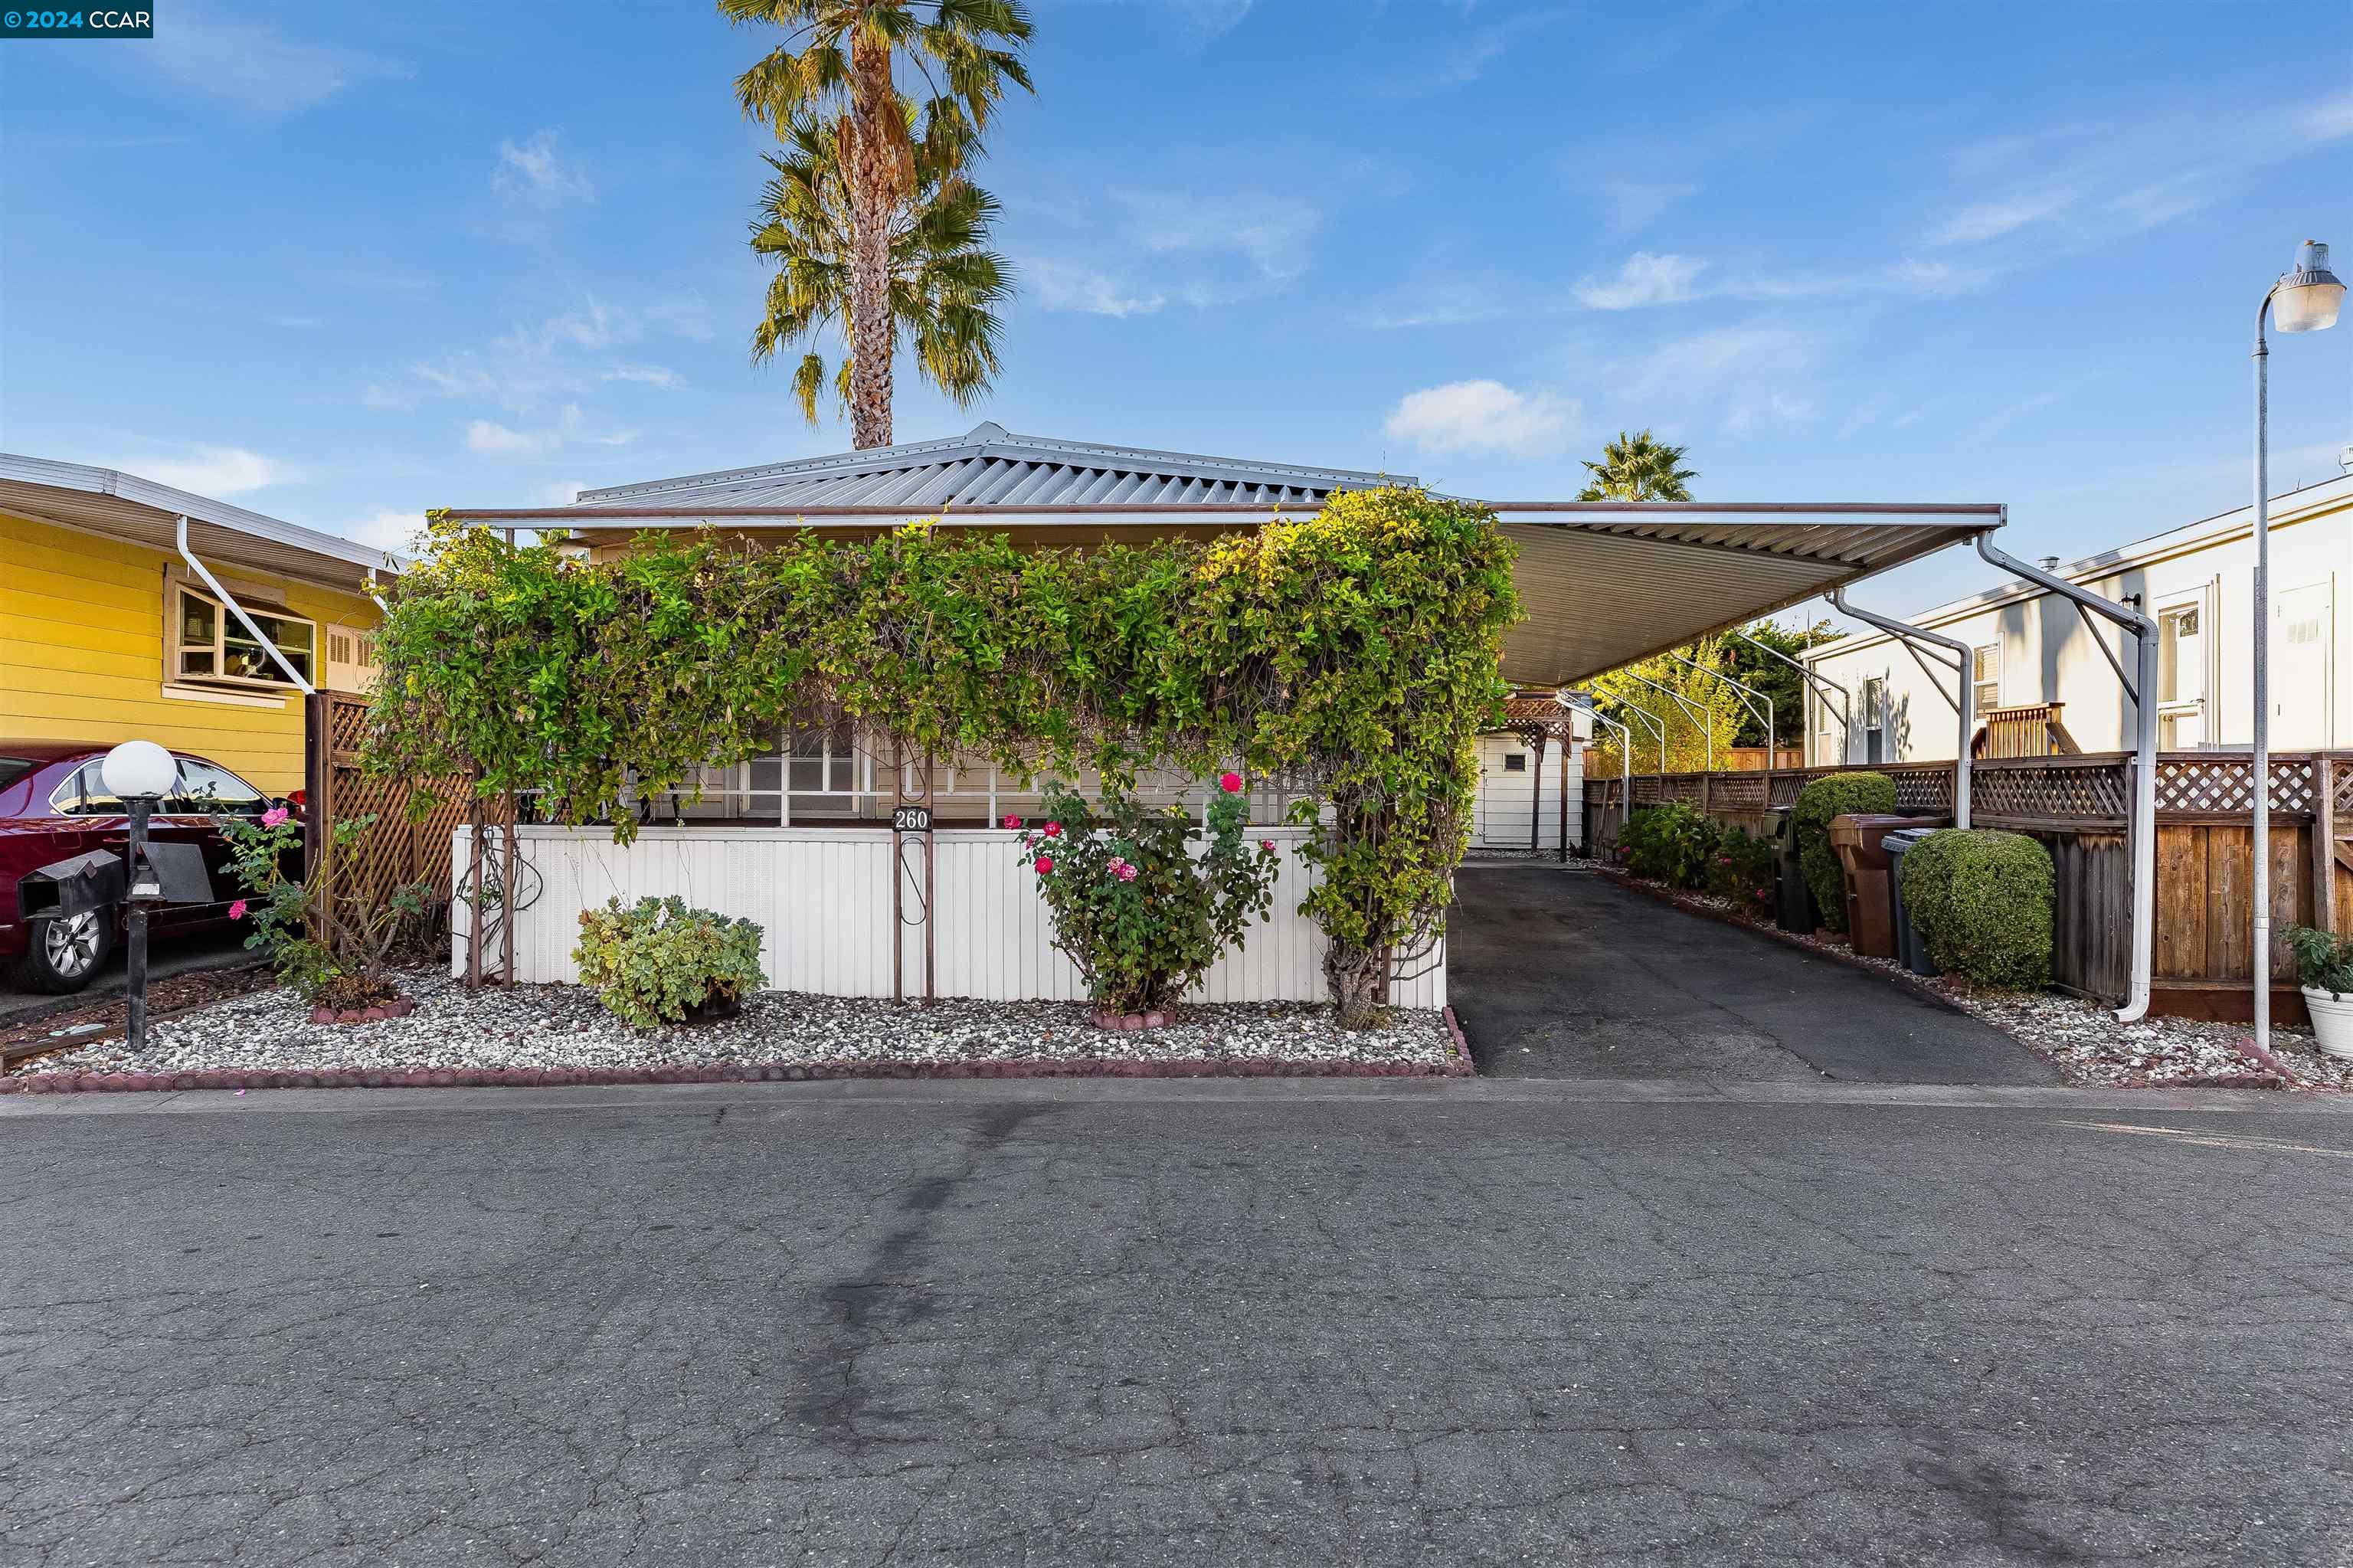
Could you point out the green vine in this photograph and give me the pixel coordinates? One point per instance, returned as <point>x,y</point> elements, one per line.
<point>1353,653</point>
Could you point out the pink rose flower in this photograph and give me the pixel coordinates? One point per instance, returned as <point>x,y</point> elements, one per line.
<point>1232,783</point>
<point>1126,872</point>
<point>1045,864</point>
<point>1266,844</point>
<point>237,910</point>
<point>1012,822</point>
<point>272,817</point>
<point>1054,830</point>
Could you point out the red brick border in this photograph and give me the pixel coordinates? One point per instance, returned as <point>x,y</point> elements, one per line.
<point>731,1073</point>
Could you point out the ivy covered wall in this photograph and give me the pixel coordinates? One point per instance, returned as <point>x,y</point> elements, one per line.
<point>1353,651</point>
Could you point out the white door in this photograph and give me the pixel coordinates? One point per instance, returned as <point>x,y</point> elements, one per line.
<point>2301,647</point>
<point>1507,792</point>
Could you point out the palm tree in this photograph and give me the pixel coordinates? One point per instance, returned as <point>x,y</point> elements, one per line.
<point>837,63</point>
<point>944,278</point>
<point>1638,468</point>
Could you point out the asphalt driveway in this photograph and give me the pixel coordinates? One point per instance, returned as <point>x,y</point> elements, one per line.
<point>1564,974</point>
<point>1141,1324</point>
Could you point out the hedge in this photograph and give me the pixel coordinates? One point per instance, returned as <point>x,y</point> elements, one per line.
<point>1981,900</point>
<point>1834,795</point>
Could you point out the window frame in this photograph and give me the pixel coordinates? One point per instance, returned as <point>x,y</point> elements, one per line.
<point>178,647</point>
<point>2193,602</point>
<point>1978,681</point>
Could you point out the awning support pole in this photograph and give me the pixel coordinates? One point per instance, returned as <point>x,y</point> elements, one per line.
<point>1625,760</point>
<point>1691,711</point>
<point>2144,781</point>
<point>1905,632</point>
<point>1817,681</point>
<point>237,609</point>
<point>1746,692</point>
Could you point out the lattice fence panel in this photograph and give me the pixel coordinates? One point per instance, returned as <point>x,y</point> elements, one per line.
<point>393,851</point>
<point>2196,784</point>
<point>2054,791</point>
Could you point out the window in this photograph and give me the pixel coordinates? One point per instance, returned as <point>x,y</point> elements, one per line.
<point>1874,720</point>
<point>210,644</point>
<point>2180,677</point>
<point>206,787</point>
<point>85,794</point>
<point>1515,762</point>
<point>1985,678</point>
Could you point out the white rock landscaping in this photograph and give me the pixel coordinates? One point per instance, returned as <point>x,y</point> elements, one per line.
<point>564,1028</point>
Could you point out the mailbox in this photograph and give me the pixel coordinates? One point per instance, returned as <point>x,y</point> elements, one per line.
<point>74,885</point>
<point>171,873</point>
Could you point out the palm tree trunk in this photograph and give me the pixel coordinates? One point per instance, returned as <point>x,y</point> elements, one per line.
<point>874,173</point>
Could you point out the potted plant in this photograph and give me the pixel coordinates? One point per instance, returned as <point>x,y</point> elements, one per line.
<point>2324,967</point>
<point>1143,900</point>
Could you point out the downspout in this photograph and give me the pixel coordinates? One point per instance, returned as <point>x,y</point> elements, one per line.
<point>1910,636</point>
<point>2144,801</point>
<point>244,619</point>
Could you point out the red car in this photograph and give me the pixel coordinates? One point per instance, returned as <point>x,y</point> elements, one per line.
<point>54,805</point>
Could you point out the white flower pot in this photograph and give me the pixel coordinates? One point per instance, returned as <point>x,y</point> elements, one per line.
<point>2332,1021</point>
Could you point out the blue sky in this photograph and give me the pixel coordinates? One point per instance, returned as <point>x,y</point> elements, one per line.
<point>341,263</point>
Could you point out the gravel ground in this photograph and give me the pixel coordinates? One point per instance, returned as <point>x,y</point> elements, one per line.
<point>565,1026</point>
<point>2083,1040</point>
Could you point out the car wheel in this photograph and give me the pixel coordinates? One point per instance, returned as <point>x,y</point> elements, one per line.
<point>67,950</point>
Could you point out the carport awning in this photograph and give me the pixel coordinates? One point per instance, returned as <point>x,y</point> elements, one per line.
<point>1606,583</point>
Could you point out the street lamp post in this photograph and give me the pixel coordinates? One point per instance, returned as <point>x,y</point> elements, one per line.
<point>137,773</point>
<point>2305,299</point>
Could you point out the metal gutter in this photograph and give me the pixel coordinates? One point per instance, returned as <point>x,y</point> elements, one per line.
<point>90,481</point>
<point>1906,634</point>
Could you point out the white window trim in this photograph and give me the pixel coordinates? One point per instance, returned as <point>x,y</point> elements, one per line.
<point>2201,600</point>
<point>177,692</point>
<point>177,584</point>
<point>1978,683</point>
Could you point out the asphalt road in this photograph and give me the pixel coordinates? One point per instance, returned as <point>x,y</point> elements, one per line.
<point>1139,1324</point>
<point>1564,974</point>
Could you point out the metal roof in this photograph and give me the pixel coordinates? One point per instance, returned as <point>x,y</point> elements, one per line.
<point>989,466</point>
<point>125,506</point>
<point>1604,582</point>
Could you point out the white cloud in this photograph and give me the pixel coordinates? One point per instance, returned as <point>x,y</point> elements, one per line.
<point>1063,286</point>
<point>490,439</point>
<point>387,527</point>
<point>1482,416</point>
<point>1454,303</point>
<point>253,66</point>
<point>659,376</point>
<point>1984,220</point>
<point>2327,120</point>
<point>1467,60</point>
<point>559,491</point>
<point>532,171</point>
<point>213,471</point>
<point>1270,233</point>
<point>1645,280</point>
<point>1631,203</point>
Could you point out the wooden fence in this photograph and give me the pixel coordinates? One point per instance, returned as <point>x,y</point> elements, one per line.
<point>393,850</point>
<point>2078,808</point>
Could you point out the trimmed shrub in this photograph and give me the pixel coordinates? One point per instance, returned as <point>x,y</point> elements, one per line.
<point>1742,870</point>
<point>1671,844</point>
<point>2323,962</point>
<point>1983,902</point>
<point>654,962</point>
<point>1836,795</point>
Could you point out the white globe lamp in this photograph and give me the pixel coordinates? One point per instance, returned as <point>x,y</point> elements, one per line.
<point>139,768</point>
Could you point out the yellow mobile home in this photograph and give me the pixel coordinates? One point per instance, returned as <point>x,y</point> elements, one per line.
<point>119,617</point>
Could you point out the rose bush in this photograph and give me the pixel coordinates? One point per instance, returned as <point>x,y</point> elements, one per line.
<point>329,943</point>
<point>1143,900</point>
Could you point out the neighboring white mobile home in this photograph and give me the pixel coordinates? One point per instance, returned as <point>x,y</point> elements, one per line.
<point>2030,649</point>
